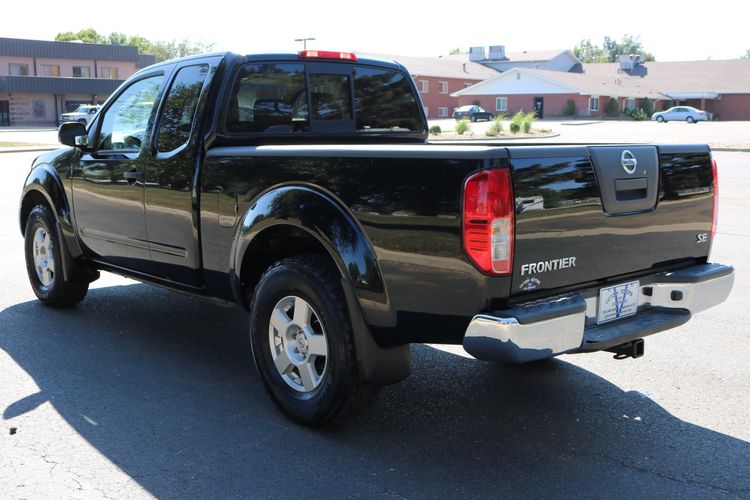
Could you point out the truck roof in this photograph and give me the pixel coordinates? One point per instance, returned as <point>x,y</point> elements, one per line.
<point>279,56</point>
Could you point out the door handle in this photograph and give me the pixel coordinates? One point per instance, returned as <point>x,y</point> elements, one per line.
<point>131,176</point>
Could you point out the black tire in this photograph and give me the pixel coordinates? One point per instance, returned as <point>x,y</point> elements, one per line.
<point>340,392</point>
<point>473,118</point>
<point>690,119</point>
<point>660,119</point>
<point>58,292</point>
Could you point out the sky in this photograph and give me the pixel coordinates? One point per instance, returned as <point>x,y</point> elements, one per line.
<point>671,30</point>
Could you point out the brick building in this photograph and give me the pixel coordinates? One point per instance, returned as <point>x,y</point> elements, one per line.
<point>40,80</point>
<point>438,77</point>
<point>719,87</point>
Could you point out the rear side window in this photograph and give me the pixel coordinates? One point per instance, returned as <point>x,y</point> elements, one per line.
<point>269,98</point>
<point>384,101</point>
<point>176,119</point>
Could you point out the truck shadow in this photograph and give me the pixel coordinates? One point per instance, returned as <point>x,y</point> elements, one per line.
<point>163,386</point>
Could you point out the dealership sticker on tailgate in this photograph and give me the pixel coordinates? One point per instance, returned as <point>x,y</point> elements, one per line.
<point>618,301</point>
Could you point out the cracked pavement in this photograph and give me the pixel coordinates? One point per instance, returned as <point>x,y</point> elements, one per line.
<point>110,403</point>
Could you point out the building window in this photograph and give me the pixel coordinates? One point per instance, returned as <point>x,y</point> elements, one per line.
<point>15,69</point>
<point>594,103</point>
<point>442,87</point>
<point>426,111</point>
<point>442,112</point>
<point>501,104</point>
<point>630,103</point>
<point>50,70</point>
<point>81,72</point>
<point>424,86</point>
<point>108,73</point>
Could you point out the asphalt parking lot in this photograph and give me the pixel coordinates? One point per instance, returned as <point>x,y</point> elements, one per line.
<point>109,402</point>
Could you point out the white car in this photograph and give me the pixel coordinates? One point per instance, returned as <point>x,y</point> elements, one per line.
<point>681,113</point>
<point>83,114</point>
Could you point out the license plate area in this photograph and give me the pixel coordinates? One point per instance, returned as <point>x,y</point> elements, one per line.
<point>618,301</point>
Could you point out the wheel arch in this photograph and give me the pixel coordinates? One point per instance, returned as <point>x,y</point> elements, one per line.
<point>294,219</point>
<point>44,186</point>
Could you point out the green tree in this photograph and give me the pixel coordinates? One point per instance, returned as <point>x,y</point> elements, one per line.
<point>612,107</point>
<point>454,52</point>
<point>647,106</point>
<point>747,54</point>
<point>115,38</point>
<point>611,49</point>
<point>587,52</point>
<point>161,50</point>
<point>87,35</point>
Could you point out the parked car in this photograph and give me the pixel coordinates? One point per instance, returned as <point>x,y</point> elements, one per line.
<point>347,236</point>
<point>82,114</point>
<point>472,112</point>
<point>681,113</point>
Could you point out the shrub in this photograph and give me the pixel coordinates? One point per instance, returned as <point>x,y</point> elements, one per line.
<point>528,121</point>
<point>647,106</point>
<point>570,108</point>
<point>636,114</point>
<point>435,130</point>
<point>496,127</point>
<point>516,122</point>
<point>462,126</point>
<point>612,107</point>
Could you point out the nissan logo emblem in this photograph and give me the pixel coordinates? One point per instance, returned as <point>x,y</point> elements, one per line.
<point>628,162</point>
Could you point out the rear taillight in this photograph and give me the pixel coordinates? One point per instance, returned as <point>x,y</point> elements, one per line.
<point>715,216</point>
<point>488,221</point>
<point>327,54</point>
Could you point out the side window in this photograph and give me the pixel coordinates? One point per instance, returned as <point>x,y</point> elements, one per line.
<point>268,98</point>
<point>384,100</point>
<point>124,123</point>
<point>176,119</point>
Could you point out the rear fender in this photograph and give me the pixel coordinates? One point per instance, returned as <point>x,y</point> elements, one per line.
<point>325,218</point>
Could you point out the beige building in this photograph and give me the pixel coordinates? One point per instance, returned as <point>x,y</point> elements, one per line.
<point>40,80</point>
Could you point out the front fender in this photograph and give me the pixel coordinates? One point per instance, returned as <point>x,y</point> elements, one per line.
<point>44,183</point>
<point>326,219</point>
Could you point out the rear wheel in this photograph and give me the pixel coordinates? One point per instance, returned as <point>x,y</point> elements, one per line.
<point>302,342</point>
<point>44,262</point>
<point>473,118</point>
<point>690,119</point>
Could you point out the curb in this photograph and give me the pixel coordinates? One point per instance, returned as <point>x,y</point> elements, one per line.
<point>495,139</point>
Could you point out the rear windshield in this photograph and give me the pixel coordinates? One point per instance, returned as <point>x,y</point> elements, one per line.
<point>279,98</point>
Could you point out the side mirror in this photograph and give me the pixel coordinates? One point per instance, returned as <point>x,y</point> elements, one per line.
<point>73,134</point>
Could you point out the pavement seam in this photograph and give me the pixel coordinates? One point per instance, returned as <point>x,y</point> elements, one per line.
<point>644,470</point>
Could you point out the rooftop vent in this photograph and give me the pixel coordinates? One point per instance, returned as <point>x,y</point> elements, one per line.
<point>630,61</point>
<point>476,54</point>
<point>497,52</point>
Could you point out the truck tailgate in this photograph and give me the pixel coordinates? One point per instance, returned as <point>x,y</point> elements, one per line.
<point>587,214</point>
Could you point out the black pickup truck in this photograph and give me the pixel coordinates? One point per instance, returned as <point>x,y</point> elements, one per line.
<point>302,187</point>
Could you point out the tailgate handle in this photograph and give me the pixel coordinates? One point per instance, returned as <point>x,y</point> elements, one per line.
<point>631,189</point>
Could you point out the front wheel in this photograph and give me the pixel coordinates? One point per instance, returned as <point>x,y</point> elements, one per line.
<point>690,119</point>
<point>43,253</point>
<point>660,119</point>
<point>302,342</point>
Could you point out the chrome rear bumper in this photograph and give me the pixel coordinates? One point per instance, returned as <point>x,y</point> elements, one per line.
<point>567,324</point>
